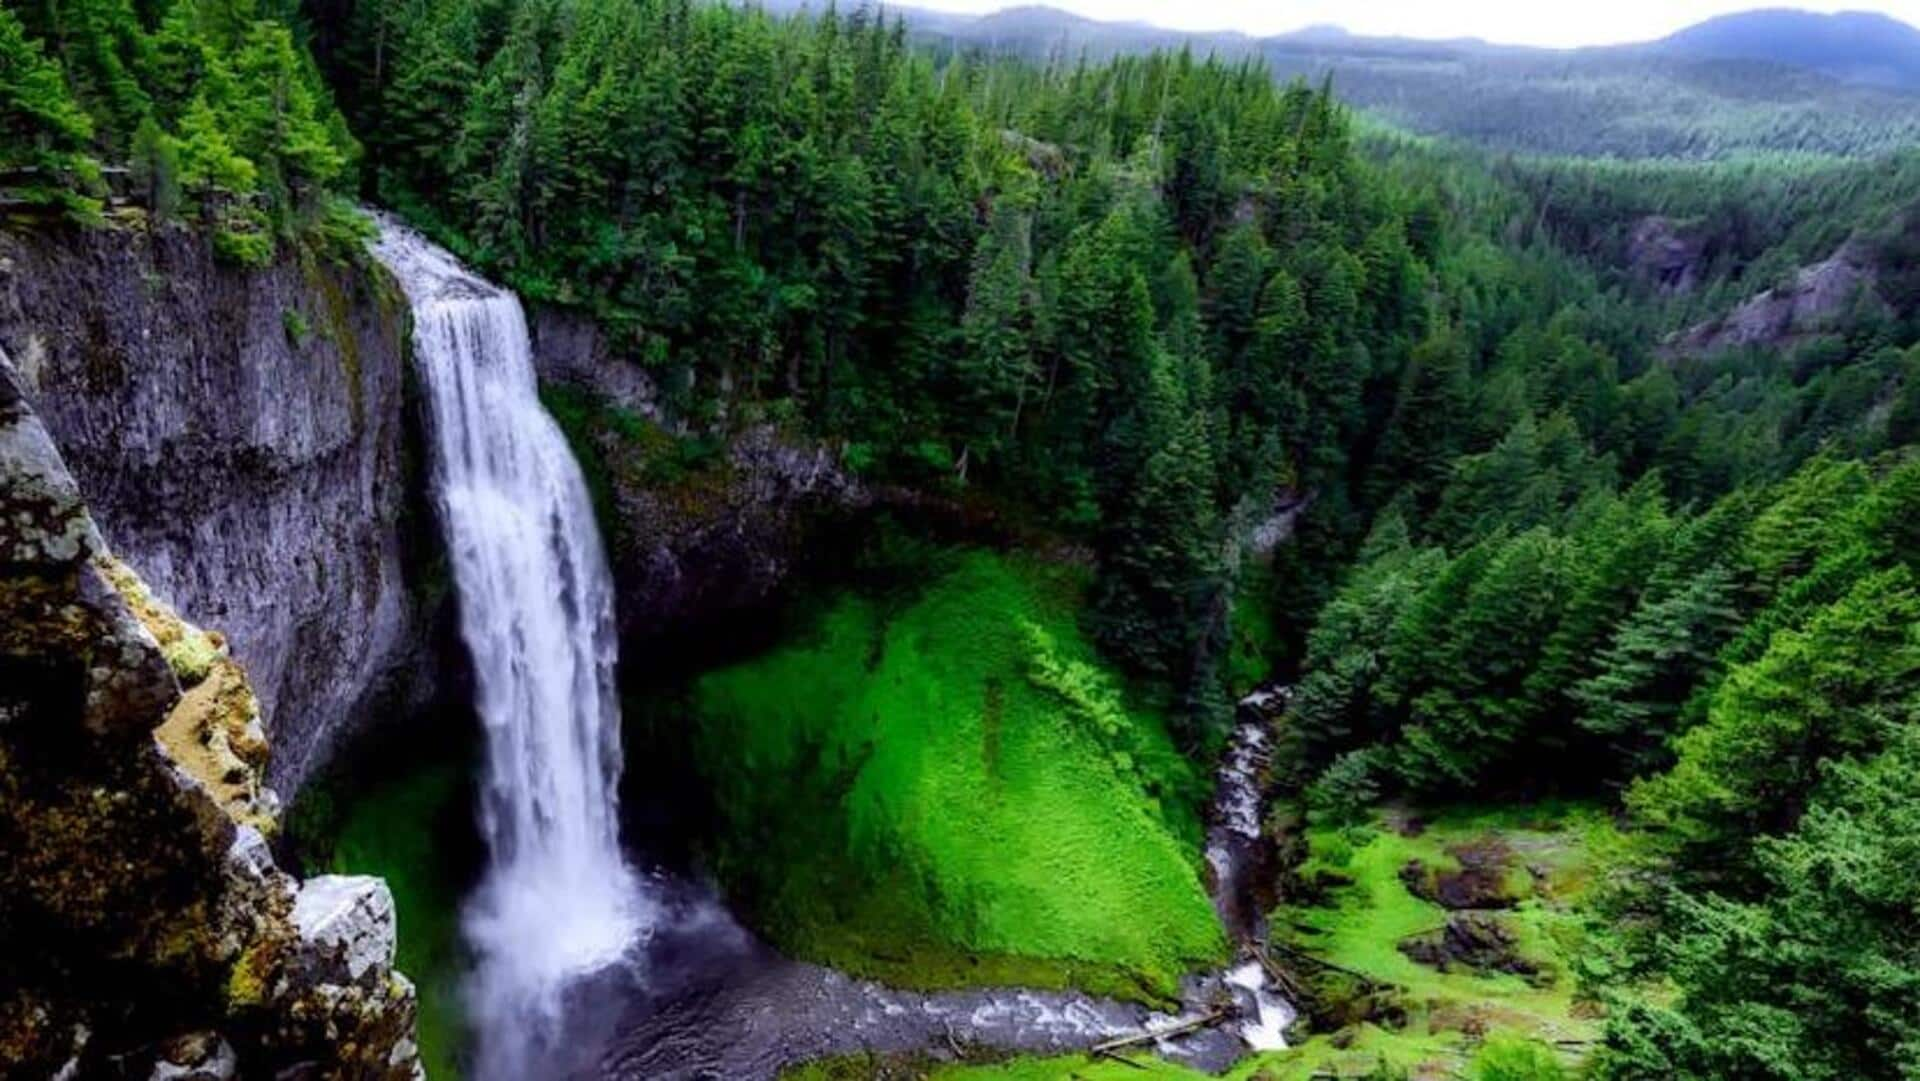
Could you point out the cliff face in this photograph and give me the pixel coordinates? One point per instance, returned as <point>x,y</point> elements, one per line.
<point>1793,311</point>
<point>1666,254</point>
<point>145,931</point>
<point>239,436</point>
<point>689,547</point>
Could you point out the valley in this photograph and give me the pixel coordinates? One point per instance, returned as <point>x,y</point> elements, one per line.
<point>648,539</point>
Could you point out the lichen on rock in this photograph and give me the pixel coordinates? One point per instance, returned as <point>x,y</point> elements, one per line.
<point>145,929</point>
<point>214,732</point>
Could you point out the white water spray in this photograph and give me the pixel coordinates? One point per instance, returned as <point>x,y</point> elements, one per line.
<point>536,611</point>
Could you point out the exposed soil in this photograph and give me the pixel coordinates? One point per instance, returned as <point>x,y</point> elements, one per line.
<point>1485,878</point>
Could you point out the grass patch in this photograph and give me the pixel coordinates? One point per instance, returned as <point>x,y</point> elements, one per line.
<point>944,788</point>
<point>1459,1024</point>
<point>1369,1048</point>
<point>1365,910</point>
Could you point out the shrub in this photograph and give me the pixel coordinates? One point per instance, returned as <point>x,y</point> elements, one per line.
<point>1512,1058</point>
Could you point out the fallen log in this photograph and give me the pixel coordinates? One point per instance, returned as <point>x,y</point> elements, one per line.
<point>1281,977</point>
<point>1106,1048</point>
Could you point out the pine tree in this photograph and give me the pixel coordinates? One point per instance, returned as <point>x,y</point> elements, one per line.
<point>43,131</point>
<point>995,371</point>
<point>1654,662</point>
<point>1819,693</point>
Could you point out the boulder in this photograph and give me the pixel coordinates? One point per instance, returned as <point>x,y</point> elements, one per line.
<point>1486,878</point>
<point>346,925</point>
<point>1477,941</point>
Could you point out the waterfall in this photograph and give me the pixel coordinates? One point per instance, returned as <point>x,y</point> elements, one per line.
<point>536,610</point>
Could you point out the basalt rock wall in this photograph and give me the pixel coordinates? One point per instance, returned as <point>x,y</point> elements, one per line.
<point>240,435</point>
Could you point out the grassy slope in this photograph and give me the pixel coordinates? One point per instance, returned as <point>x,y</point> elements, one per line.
<point>905,799</point>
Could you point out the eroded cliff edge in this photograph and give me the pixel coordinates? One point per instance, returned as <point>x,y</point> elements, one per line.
<point>145,930</point>
<point>240,435</point>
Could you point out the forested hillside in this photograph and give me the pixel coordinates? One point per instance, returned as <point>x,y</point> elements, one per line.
<point>207,111</point>
<point>1138,311</point>
<point>1139,299</point>
<point>1854,46</point>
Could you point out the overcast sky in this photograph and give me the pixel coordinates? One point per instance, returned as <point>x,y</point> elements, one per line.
<point>1517,22</point>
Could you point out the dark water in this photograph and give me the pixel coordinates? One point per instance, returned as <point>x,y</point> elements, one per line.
<point>706,999</point>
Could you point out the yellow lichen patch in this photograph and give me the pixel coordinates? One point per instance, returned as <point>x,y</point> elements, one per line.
<point>248,981</point>
<point>213,733</point>
<point>190,651</point>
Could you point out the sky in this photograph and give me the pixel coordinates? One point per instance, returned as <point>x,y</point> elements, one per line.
<point>1556,23</point>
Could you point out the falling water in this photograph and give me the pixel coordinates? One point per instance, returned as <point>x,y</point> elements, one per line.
<point>536,611</point>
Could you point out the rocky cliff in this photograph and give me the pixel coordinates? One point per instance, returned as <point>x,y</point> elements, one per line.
<point>690,544</point>
<point>1669,256</point>
<point>145,931</point>
<point>1808,304</point>
<point>239,435</point>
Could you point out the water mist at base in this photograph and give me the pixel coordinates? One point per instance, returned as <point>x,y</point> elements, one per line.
<point>557,900</point>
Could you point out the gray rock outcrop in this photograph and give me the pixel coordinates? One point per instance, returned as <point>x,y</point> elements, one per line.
<point>711,542</point>
<point>1666,254</point>
<point>347,921</point>
<point>145,930</point>
<point>239,436</point>
<point>1816,296</point>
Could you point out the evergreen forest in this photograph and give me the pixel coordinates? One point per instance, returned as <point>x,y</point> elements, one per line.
<point>1573,497</point>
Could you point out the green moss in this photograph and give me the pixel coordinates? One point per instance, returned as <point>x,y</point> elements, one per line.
<point>297,328</point>
<point>188,650</point>
<point>337,312</point>
<point>1362,1051</point>
<point>191,656</point>
<point>617,447</point>
<point>390,831</point>
<point>944,789</point>
<point>1366,910</point>
<point>583,417</point>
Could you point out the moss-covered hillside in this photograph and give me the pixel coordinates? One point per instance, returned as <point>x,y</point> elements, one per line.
<point>945,787</point>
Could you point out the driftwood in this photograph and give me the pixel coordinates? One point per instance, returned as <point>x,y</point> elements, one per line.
<point>1280,976</point>
<point>1107,1048</point>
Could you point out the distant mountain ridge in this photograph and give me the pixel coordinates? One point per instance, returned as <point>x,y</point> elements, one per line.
<point>1861,47</point>
<point>1760,82</point>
